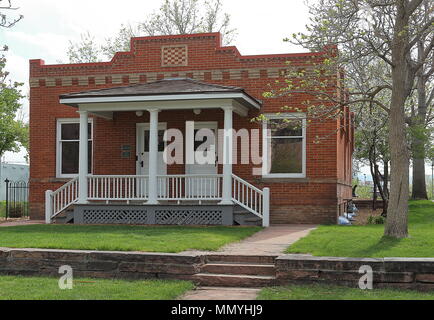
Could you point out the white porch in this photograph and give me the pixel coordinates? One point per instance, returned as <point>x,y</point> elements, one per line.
<point>153,188</point>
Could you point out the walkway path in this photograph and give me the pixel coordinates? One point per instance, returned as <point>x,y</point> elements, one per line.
<point>271,241</point>
<point>214,293</point>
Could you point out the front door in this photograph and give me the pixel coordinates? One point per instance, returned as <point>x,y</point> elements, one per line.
<point>200,185</point>
<point>143,153</point>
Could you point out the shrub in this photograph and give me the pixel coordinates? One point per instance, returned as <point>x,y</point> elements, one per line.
<point>376,220</point>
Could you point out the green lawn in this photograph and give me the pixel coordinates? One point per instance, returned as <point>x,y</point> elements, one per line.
<point>368,241</point>
<point>2,209</point>
<point>41,288</point>
<point>327,292</point>
<point>123,238</point>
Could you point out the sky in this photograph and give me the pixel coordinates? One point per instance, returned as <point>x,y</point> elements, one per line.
<point>49,25</point>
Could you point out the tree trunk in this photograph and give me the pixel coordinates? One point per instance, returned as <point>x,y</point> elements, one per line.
<point>397,217</point>
<point>419,182</point>
<point>385,189</point>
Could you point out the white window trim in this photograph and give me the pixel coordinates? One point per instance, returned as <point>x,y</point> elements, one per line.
<point>299,116</point>
<point>61,121</point>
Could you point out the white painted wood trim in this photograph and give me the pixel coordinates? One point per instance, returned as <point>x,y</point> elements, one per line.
<point>175,97</point>
<point>265,175</point>
<point>60,121</point>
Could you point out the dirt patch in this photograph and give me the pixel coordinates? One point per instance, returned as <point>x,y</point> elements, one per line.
<point>364,214</point>
<point>10,220</point>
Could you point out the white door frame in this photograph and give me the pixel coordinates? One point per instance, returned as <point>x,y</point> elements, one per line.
<point>140,130</point>
<point>205,125</point>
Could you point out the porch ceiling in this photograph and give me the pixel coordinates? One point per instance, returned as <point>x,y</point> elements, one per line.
<point>167,94</point>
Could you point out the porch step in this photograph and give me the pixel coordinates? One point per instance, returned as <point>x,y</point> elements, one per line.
<point>229,280</point>
<point>237,259</point>
<point>240,269</point>
<point>66,217</point>
<point>244,218</point>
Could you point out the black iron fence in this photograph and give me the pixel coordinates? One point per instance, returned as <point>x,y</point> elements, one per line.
<point>17,199</point>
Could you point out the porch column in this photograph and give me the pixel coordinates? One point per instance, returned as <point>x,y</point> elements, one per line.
<point>153,157</point>
<point>227,157</point>
<point>83,169</point>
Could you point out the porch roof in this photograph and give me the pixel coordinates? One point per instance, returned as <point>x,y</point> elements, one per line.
<point>162,90</point>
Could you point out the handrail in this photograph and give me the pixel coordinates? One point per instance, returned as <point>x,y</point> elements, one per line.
<point>119,187</point>
<point>59,200</point>
<point>251,198</point>
<point>194,187</point>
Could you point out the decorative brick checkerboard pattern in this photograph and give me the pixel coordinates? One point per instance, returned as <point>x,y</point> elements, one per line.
<point>174,56</point>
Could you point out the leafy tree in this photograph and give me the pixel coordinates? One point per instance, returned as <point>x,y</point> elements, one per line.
<point>173,17</point>
<point>13,132</point>
<point>369,33</point>
<point>5,21</point>
<point>422,115</point>
<point>372,149</point>
<point>84,51</point>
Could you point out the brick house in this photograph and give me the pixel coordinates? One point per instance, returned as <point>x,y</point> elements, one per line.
<point>97,140</point>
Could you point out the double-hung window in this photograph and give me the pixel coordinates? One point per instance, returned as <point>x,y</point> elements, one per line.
<point>284,146</point>
<point>68,145</point>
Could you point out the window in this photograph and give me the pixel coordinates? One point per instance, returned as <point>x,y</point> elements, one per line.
<point>68,145</point>
<point>285,146</point>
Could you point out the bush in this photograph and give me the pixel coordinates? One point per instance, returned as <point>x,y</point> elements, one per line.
<point>17,212</point>
<point>376,220</point>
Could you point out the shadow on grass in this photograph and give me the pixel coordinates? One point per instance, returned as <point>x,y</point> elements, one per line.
<point>384,244</point>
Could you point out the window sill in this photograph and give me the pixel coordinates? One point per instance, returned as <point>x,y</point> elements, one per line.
<point>285,179</point>
<point>283,176</point>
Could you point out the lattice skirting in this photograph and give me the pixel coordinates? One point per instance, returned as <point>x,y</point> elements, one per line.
<point>154,215</point>
<point>189,217</point>
<point>115,216</point>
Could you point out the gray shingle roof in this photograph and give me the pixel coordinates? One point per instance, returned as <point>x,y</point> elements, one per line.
<point>175,86</point>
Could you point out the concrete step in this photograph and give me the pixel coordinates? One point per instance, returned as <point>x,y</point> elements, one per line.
<point>240,269</point>
<point>237,259</point>
<point>225,280</point>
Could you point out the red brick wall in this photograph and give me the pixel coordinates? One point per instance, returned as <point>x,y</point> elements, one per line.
<point>310,200</point>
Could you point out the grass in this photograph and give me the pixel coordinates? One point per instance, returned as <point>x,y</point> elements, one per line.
<point>41,288</point>
<point>368,241</point>
<point>328,292</point>
<point>2,209</point>
<point>123,238</point>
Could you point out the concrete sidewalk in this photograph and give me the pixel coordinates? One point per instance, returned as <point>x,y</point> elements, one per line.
<point>215,293</point>
<point>270,241</point>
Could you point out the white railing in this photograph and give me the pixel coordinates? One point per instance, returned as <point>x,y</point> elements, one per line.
<point>190,187</point>
<point>61,199</point>
<point>251,198</point>
<point>118,188</point>
<point>169,188</point>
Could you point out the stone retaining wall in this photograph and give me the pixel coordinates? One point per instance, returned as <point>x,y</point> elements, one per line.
<point>128,265</point>
<point>403,273</point>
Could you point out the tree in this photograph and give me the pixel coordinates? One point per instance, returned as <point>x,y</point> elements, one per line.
<point>84,51</point>
<point>173,17</point>
<point>372,148</point>
<point>5,21</point>
<point>421,115</point>
<point>381,30</point>
<point>13,132</point>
